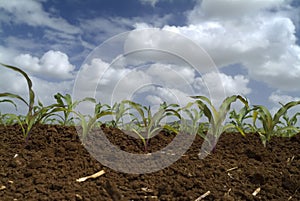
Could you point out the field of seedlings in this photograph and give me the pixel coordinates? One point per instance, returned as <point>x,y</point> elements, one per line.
<point>251,154</point>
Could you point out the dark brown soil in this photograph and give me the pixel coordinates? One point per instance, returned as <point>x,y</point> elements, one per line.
<point>48,166</point>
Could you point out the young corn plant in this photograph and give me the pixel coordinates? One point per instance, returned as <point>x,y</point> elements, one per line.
<point>119,111</point>
<point>192,124</point>
<point>90,121</point>
<point>7,119</point>
<point>68,106</point>
<point>43,113</point>
<point>289,122</point>
<point>216,119</point>
<point>150,124</point>
<point>35,114</point>
<point>271,125</point>
<point>238,120</point>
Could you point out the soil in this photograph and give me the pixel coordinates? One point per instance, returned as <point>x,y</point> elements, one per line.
<point>46,168</point>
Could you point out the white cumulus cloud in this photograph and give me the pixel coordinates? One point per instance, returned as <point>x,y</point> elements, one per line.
<point>54,64</point>
<point>215,85</point>
<point>231,9</point>
<point>276,98</point>
<point>255,34</point>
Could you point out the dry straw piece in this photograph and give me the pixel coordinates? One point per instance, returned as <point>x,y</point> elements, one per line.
<point>93,176</point>
<point>203,196</point>
<point>256,191</point>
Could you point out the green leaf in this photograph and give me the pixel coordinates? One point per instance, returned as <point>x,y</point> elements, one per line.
<point>29,84</point>
<point>170,128</point>
<point>10,95</point>
<point>9,101</point>
<point>283,110</point>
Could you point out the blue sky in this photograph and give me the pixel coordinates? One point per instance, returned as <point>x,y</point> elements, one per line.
<point>254,45</point>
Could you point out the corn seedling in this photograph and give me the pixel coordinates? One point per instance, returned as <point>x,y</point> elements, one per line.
<point>119,110</point>
<point>43,113</point>
<point>68,106</point>
<point>216,117</point>
<point>192,125</point>
<point>35,114</point>
<point>89,121</point>
<point>289,122</point>
<point>238,120</point>
<point>150,124</point>
<point>271,125</point>
<point>7,119</point>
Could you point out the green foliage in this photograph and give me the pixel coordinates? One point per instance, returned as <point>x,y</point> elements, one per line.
<point>238,120</point>
<point>36,113</point>
<point>68,106</point>
<point>89,121</point>
<point>270,125</point>
<point>192,124</point>
<point>216,117</point>
<point>119,111</point>
<point>149,123</point>
<point>289,121</point>
<point>144,123</point>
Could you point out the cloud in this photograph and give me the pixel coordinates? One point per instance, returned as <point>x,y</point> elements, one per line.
<point>251,42</point>
<point>161,59</point>
<point>53,64</point>
<point>56,33</point>
<point>254,34</point>
<point>282,72</point>
<point>228,9</point>
<point>60,37</point>
<point>20,43</point>
<point>211,86</point>
<point>15,45</point>
<point>276,98</point>
<point>169,95</point>
<point>112,26</point>
<point>109,83</point>
<point>150,2</point>
<point>171,75</point>
<point>253,45</point>
<point>31,12</point>
<point>260,35</point>
<point>7,54</point>
<point>154,82</point>
<point>108,27</point>
<point>45,90</point>
<point>153,2</point>
<point>165,46</point>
